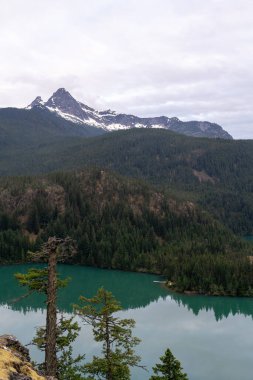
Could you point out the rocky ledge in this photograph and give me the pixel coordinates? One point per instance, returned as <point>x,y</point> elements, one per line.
<point>15,361</point>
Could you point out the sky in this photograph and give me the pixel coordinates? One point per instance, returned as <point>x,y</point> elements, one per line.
<point>187,58</point>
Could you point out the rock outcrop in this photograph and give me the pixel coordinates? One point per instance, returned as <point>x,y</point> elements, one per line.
<point>15,361</point>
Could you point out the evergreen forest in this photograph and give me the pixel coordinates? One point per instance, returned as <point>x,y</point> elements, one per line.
<point>126,224</point>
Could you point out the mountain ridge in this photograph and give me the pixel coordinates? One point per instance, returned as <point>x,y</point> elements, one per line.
<point>66,106</point>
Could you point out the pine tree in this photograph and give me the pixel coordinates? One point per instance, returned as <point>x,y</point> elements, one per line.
<point>115,334</point>
<point>66,333</point>
<point>46,281</point>
<point>169,369</point>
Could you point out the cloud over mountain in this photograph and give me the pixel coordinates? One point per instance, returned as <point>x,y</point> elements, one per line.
<point>186,58</point>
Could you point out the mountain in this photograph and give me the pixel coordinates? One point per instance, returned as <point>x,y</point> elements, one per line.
<point>35,126</point>
<point>64,105</point>
<point>216,173</point>
<point>24,132</point>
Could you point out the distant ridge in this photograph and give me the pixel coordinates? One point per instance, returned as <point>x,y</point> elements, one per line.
<point>67,107</point>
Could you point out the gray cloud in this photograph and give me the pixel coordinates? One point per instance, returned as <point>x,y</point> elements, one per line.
<point>185,58</point>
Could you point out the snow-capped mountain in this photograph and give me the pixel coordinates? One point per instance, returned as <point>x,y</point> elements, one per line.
<point>64,105</point>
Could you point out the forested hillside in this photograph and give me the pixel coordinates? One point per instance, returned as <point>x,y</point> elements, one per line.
<point>125,224</point>
<point>24,133</point>
<point>217,174</point>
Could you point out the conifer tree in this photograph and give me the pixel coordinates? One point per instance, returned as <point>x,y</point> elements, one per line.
<point>116,335</point>
<point>68,368</point>
<point>46,281</point>
<point>169,368</point>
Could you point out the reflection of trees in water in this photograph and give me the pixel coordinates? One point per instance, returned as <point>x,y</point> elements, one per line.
<point>221,306</point>
<point>133,290</point>
<point>24,309</point>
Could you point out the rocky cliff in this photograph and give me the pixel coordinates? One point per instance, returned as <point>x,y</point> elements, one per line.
<point>15,361</point>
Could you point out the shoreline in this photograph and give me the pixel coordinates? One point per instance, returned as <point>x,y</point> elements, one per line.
<point>166,284</point>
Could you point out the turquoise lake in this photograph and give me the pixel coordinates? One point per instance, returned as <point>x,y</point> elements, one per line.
<point>211,336</point>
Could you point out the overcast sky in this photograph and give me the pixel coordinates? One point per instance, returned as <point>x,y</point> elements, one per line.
<point>187,58</point>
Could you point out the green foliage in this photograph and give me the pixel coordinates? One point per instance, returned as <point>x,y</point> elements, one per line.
<point>67,366</point>
<point>115,334</point>
<point>169,369</point>
<point>37,280</point>
<point>13,244</point>
<point>29,138</point>
<point>210,274</point>
<point>216,172</point>
<point>66,331</point>
<point>129,225</point>
<point>34,279</point>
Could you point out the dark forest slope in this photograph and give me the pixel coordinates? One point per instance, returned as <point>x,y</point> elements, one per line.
<point>125,224</point>
<point>23,133</point>
<point>218,174</point>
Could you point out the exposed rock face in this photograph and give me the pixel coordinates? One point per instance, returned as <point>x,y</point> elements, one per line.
<point>13,344</point>
<point>37,102</point>
<point>67,107</point>
<point>63,101</point>
<point>15,361</point>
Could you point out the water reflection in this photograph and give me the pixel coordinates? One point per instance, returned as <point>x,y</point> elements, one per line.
<point>222,307</point>
<point>211,336</point>
<point>133,290</point>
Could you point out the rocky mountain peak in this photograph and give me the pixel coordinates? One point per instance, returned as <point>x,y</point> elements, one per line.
<point>61,94</point>
<point>59,97</point>
<point>62,91</point>
<point>37,102</point>
<point>64,102</point>
<point>67,107</point>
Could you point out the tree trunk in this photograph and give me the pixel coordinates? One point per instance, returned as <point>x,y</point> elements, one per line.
<point>108,353</point>
<point>108,345</point>
<point>50,350</point>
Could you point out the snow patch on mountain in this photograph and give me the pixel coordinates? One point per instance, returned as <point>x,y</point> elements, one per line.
<point>65,106</point>
<point>65,115</point>
<point>37,102</point>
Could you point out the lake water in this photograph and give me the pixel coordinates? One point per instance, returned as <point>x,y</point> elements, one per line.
<point>211,336</point>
